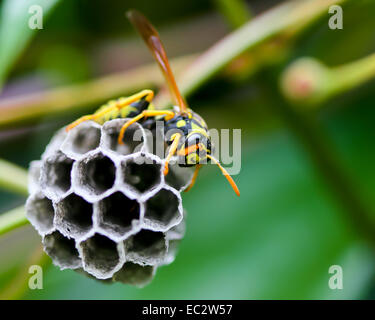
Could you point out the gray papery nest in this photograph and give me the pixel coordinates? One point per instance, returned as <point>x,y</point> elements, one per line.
<point>106,209</point>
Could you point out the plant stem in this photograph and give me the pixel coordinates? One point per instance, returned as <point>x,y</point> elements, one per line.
<point>353,74</point>
<point>13,178</point>
<point>309,83</point>
<point>83,95</point>
<point>288,17</point>
<point>12,220</point>
<point>236,12</point>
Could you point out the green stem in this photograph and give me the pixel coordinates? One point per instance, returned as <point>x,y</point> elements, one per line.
<point>236,12</point>
<point>289,17</point>
<point>83,95</point>
<point>13,178</point>
<point>352,74</point>
<point>308,82</point>
<point>12,220</point>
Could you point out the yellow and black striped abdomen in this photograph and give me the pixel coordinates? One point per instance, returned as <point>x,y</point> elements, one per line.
<point>115,110</point>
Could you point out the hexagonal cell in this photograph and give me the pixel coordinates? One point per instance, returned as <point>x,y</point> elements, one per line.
<point>82,139</point>
<point>174,236</point>
<point>62,250</point>
<point>155,138</point>
<point>163,210</point>
<point>143,173</point>
<point>135,274</point>
<point>179,177</point>
<point>133,139</point>
<point>55,143</point>
<point>74,216</point>
<point>56,174</point>
<point>40,212</point>
<point>172,251</point>
<point>95,174</point>
<point>177,232</point>
<point>104,281</point>
<point>33,176</point>
<point>117,214</point>
<point>101,256</point>
<point>146,247</point>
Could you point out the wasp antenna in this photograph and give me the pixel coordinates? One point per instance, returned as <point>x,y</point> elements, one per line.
<point>226,174</point>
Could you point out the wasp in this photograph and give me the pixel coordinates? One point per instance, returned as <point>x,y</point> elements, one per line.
<point>191,142</point>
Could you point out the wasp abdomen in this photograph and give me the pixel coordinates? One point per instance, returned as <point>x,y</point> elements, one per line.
<point>129,111</point>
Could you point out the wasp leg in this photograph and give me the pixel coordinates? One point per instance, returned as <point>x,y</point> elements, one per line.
<point>197,167</point>
<point>146,113</point>
<point>176,138</point>
<point>149,94</point>
<point>78,121</point>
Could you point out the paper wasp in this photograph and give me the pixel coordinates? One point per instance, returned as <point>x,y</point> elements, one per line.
<point>192,142</point>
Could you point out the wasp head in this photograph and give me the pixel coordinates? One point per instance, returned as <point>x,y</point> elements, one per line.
<point>194,149</point>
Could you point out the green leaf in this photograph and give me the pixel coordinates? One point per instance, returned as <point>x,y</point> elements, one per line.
<point>15,32</point>
<point>12,220</point>
<point>13,178</point>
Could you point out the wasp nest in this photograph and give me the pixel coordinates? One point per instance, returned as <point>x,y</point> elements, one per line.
<point>106,209</point>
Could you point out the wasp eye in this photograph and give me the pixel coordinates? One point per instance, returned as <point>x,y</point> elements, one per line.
<point>194,139</point>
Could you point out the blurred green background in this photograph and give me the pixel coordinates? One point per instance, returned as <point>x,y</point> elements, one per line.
<point>295,217</point>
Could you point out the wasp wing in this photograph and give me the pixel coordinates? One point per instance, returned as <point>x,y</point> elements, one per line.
<point>152,39</point>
